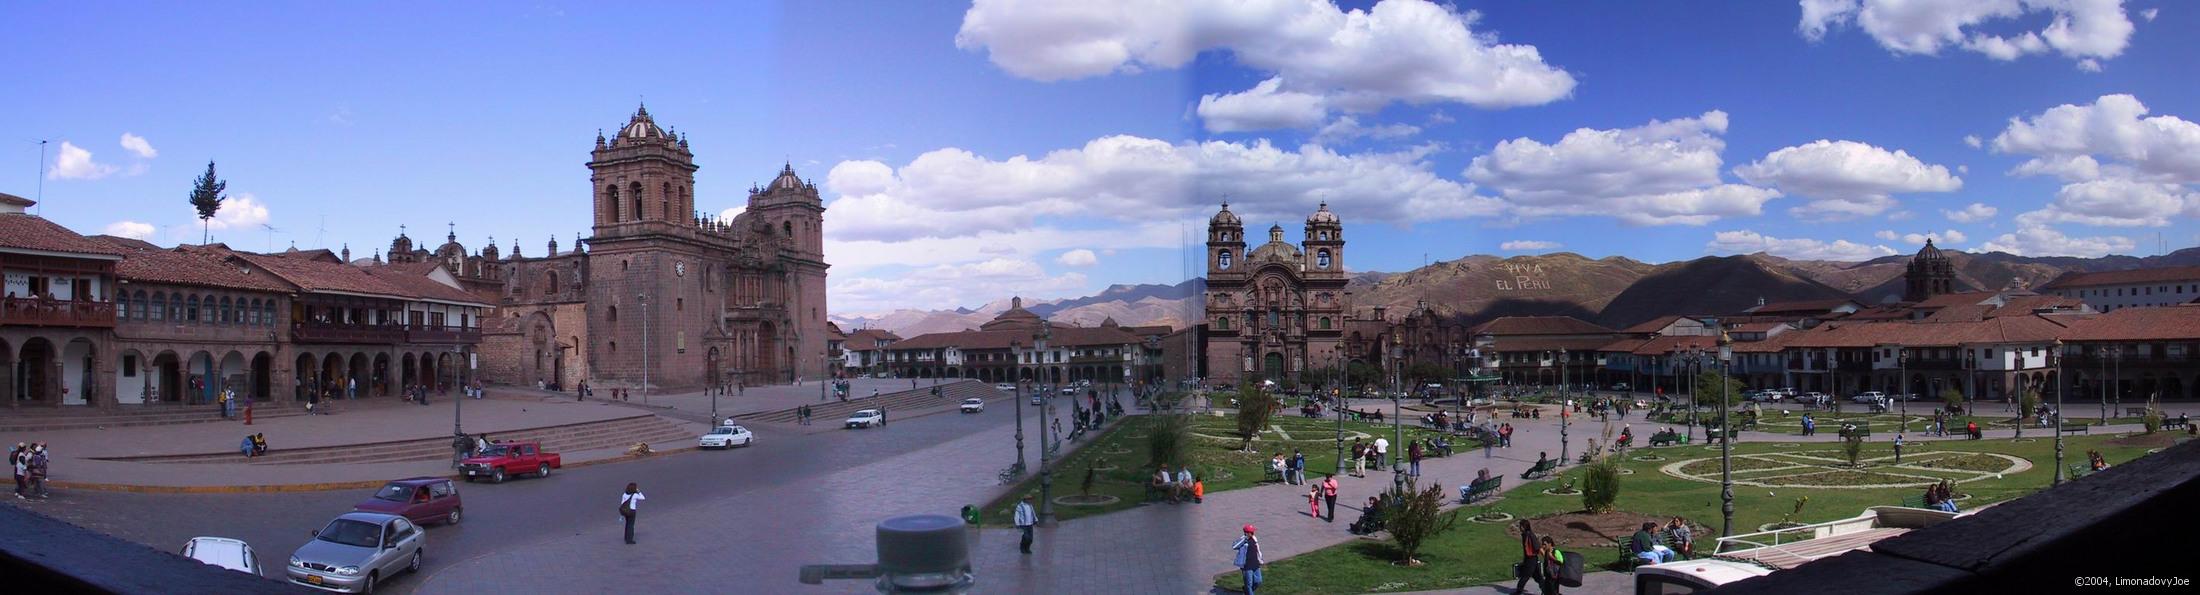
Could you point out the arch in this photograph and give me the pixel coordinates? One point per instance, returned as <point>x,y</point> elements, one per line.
<point>303,379</point>
<point>787,228</point>
<point>235,374</point>
<point>79,361</point>
<point>143,306</point>
<point>224,316</point>
<point>1222,324</point>
<point>664,200</point>
<point>1325,323</point>
<point>611,313</point>
<point>191,309</point>
<point>33,371</point>
<point>201,379</point>
<point>550,285</point>
<point>409,376</point>
<point>380,379</point>
<point>332,376</point>
<point>1222,260</point>
<point>267,312</point>
<point>612,204</point>
<point>1321,258</point>
<point>635,190</point>
<point>164,378</point>
<point>133,376</point>
<point>1271,366</point>
<point>358,373</point>
<point>263,375</point>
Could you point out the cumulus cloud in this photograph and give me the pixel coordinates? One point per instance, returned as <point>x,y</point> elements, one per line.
<point>1974,213</point>
<point>950,193</point>
<point>131,229</point>
<point>1322,57</point>
<point>74,163</point>
<point>1972,140</point>
<point>1529,245</point>
<point>137,144</point>
<point>1746,242</point>
<point>1078,258</point>
<point>1347,128</point>
<point>2112,137</point>
<point>2084,30</point>
<point>2116,203</point>
<point>2046,241</point>
<point>729,214</point>
<point>1662,173</point>
<point>953,285</point>
<point>241,210</point>
<point>1845,179</point>
<point>1944,238</point>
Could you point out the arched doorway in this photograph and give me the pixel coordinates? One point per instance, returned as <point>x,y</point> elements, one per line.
<point>409,373</point>
<point>201,378</point>
<point>429,372</point>
<point>332,376</point>
<point>79,361</point>
<point>234,375</point>
<point>307,380</point>
<point>263,374</point>
<point>34,372</point>
<point>167,379</point>
<point>767,351</point>
<point>1271,366</point>
<point>358,381</point>
<point>381,377</point>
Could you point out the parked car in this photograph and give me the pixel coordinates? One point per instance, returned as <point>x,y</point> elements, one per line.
<point>1815,397</point>
<point>1039,398</point>
<point>726,436</point>
<point>865,418</point>
<point>1869,396</point>
<point>422,500</point>
<point>230,554</point>
<point>504,459</point>
<point>1621,386</point>
<point>973,405</point>
<point>357,551</point>
<point>1766,396</point>
<point>1005,387</point>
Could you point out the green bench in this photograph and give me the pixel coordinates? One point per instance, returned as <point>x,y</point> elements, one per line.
<point>1480,489</point>
<point>2135,411</point>
<point>1665,438</point>
<point>1541,469</point>
<point>1626,545</point>
<point>1711,433</point>
<point>1857,429</point>
<point>2068,427</point>
<point>2077,471</point>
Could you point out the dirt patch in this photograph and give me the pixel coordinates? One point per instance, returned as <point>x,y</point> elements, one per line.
<point>2154,440</point>
<point>1583,530</point>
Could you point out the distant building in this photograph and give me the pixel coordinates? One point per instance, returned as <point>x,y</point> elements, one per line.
<point>1930,274</point>
<point>1018,345</point>
<point>2115,290</point>
<point>1274,311</point>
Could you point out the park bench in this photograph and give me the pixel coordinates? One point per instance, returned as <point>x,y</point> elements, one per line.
<point>1541,468</point>
<point>1665,438</point>
<point>1711,433</point>
<point>2077,471</point>
<point>1270,474</point>
<point>2173,424</point>
<point>1861,430</point>
<point>1480,489</point>
<point>1626,545</point>
<point>1154,493</point>
<point>2070,426</point>
<point>2135,411</point>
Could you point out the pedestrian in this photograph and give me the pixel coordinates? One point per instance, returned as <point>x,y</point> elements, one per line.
<point>1314,501</point>
<point>1249,559</point>
<point>351,388</point>
<point>18,463</point>
<point>1025,520</point>
<point>1531,559</point>
<point>1359,458</point>
<point>1329,495</point>
<point>36,470</point>
<point>630,503</point>
<point>1298,467</point>
<point>1413,454</point>
<point>1898,448</point>
<point>1505,435</point>
<point>1553,560</point>
<point>1382,451</point>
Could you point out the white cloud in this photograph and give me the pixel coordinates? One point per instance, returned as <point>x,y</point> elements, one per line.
<point>953,285</point>
<point>1078,258</point>
<point>1917,239</point>
<point>136,144</point>
<point>1845,179</point>
<point>2148,14</point>
<point>729,214</point>
<point>1974,213</point>
<point>2116,203</point>
<point>1661,173</point>
<point>131,229</point>
<point>2084,30</point>
<point>2046,241</point>
<point>1261,108</point>
<point>2111,137</point>
<point>1347,128</point>
<point>1887,234</point>
<point>241,210</point>
<point>1529,245</point>
<point>1747,242</point>
<point>952,193</point>
<point>1903,215</point>
<point>74,163</point>
<point>1412,51</point>
<point>1972,141</point>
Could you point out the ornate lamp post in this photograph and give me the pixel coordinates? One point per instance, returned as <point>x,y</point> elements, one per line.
<point>2115,384</point>
<point>1013,347</point>
<point>2058,355</point>
<point>1565,413</point>
<point>1902,363</point>
<point>1046,447</point>
<point>1398,426</point>
<point>1726,444</point>
<point>1336,401</point>
<point>1696,358</point>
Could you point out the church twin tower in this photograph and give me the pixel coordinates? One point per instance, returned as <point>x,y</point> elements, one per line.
<point>1275,310</point>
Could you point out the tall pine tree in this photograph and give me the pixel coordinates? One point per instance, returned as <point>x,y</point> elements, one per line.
<point>207,197</point>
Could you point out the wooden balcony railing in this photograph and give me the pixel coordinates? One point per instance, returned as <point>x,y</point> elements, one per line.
<point>443,335</point>
<point>316,333</point>
<point>42,312</point>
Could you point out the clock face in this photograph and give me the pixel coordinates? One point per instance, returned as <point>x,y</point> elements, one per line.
<point>680,268</point>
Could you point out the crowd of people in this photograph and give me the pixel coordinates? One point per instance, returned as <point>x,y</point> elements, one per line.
<point>30,463</point>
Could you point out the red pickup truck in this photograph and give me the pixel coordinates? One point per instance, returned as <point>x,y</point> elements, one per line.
<point>503,459</point>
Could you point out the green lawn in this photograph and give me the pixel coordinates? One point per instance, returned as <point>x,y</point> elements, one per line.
<point>1477,553</point>
<point>1215,457</point>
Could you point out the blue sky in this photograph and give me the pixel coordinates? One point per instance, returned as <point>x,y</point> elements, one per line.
<point>1046,149</point>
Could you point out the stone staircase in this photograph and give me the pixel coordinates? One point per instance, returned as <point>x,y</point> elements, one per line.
<point>615,433</point>
<point>831,412</point>
<point>56,420</point>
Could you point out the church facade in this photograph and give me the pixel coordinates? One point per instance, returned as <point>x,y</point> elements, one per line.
<point>1276,309</point>
<point>658,292</point>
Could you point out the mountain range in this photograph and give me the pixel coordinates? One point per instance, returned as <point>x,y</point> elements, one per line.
<point>1613,291</point>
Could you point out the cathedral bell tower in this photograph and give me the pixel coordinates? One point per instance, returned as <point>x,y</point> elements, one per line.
<point>644,178</point>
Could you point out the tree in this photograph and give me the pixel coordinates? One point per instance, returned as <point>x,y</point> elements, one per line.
<point>1708,388</point>
<point>207,197</point>
<point>1166,445</point>
<point>1415,516</point>
<point>1600,486</point>
<point>1362,374</point>
<point>1952,398</point>
<point>1425,373</point>
<point>1254,408</point>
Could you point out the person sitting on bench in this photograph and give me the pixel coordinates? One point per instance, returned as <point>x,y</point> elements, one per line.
<point>1162,483</point>
<point>1644,544</point>
<point>1371,518</point>
<point>1184,483</point>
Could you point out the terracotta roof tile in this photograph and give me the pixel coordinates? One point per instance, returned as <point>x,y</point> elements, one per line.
<point>1802,306</point>
<point>31,232</point>
<point>185,267</point>
<point>1540,325</point>
<point>419,285</point>
<point>10,199</point>
<point>2135,276</point>
<point>2166,323</point>
<point>1654,325</point>
<point>1520,343</point>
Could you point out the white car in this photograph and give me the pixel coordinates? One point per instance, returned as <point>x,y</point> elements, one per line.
<point>973,405</point>
<point>1870,396</point>
<point>727,436</point>
<point>1005,387</point>
<point>224,552</point>
<point>866,418</point>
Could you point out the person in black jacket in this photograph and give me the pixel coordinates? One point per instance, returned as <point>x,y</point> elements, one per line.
<point>1531,560</point>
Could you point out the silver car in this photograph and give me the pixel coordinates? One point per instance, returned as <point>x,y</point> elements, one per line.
<point>357,551</point>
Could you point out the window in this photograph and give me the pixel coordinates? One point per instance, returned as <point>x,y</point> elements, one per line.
<point>129,366</point>
<point>228,312</point>
<point>1321,259</point>
<point>680,341</point>
<point>611,314</point>
<point>1325,323</point>
<point>175,307</point>
<point>191,309</point>
<point>611,196</point>
<point>1222,324</point>
<point>1222,260</point>
<point>614,346</point>
<point>786,227</point>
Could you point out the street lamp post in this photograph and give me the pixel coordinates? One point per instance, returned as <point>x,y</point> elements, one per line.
<point>2058,355</point>
<point>1726,442</point>
<point>1336,401</point>
<point>1696,357</point>
<point>1565,415</point>
<point>1902,362</point>
<point>1398,427</point>
<point>1013,347</point>
<point>644,298</point>
<point>1046,444</point>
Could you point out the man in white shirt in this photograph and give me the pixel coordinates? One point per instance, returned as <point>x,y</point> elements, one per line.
<point>1025,519</point>
<point>1382,452</point>
<point>1184,479</point>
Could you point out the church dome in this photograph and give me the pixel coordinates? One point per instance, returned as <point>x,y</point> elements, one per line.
<point>1322,216</point>
<point>1225,218</point>
<point>1930,252</point>
<point>642,126</point>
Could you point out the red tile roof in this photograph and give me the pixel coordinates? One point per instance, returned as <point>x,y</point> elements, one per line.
<point>2005,329</point>
<point>1540,325</point>
<point>125,242</point>
<point>2131,277</point>
<point>20,231</point>
<point>1654,325</point>
<point>319,275</point>
<point>1524,343</point>
<point>184,266</point>
<point>1955,299</point>
<point>2166,323</point>
<point>1755,327</point>
<point>965,340</point>
<point>420,286</point>
<point>865,338</point>
<point>10,199</point>
<point>1803,306</point>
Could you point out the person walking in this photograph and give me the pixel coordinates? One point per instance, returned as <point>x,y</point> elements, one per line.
<point>1898,449</point>
<point>1025,520</point>
<point>1329,494</point>
<point>1413,456</point>
<point>1489,444</point>
<point>630,504</point>
<point>37,471</point>
<point>1298,467</point>
<point>1359,458</point>
<point>1382,451</point>
<point>1531,559</point>
<point>1249,559</point>
<point>1314,501</point>
<point>17,462</point>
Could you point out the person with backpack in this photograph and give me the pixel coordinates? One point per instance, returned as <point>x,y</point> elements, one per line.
<point>1531,560</point>
<point>629,504</point>
<point>1556,571</point>
<point>1249,559</point>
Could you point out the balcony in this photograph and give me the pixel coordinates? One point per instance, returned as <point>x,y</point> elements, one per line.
<point>39,312</point>
<point>338,333</point>
<point>443,335</point>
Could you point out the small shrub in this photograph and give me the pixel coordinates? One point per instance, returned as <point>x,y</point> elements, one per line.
<point>1254,407</point>
<point>1171,437</point>
<point>1600,486</point>
<point>2028,402</point>
<point>2153,419</point>
<point>1790,516</point>
<point>1090,475</point>
<point>1952,398</point>
<point>1416,517</point>
<point>1853,448</point>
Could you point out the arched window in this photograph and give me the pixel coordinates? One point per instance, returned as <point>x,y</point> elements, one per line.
<point>1222,261</point>
<point>664,201</point>
<point>611,314</point>
<point>635,189</point>
<point>614,346</point>
<point>1325,323</point>
<point>1222,324</point>
<point>1321,259</point>
<point>191,309</point>
<point>611,195</point>
<point>123,307</point>
<point>175,307</point>
<point>787,227</point>
<point>228,311</point>
<point>550,286</point>
<point>207,316</point>
<point>143,306</point>
<point>159,307</point>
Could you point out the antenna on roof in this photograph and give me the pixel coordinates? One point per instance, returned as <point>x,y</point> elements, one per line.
<point>323,231</point>
<point>41,176</point>
<point>270,236</point>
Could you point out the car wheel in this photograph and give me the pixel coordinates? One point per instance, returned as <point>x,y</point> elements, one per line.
<point>414,565</point>
<point>542,470</point>
<point>368,587</point>
<point>452,518</point>
<point>497,476</point>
